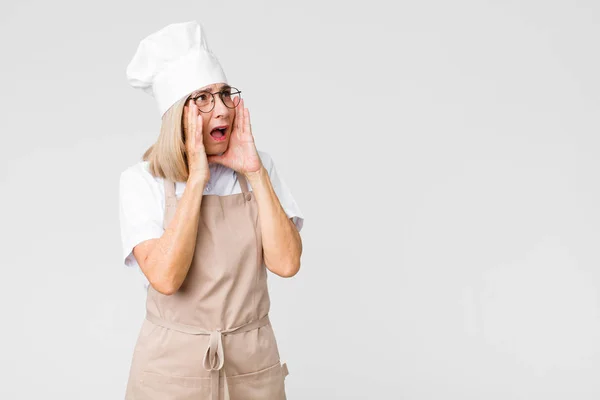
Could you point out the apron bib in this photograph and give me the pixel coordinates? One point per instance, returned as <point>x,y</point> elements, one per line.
<point>212,339</point>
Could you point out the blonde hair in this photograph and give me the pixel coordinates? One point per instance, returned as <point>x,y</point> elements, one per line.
<point>167,156</point>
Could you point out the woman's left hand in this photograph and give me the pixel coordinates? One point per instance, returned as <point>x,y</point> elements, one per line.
<point>241,154</point>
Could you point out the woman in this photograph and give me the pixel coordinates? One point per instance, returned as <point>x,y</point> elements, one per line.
<point>204,215</point>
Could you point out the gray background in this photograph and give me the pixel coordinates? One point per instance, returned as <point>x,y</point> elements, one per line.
<point>444,155</point>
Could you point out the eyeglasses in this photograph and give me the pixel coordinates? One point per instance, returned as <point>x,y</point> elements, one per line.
<point>205,101</point>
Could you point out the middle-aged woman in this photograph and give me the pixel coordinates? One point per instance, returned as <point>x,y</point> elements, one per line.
<point>204,215</point>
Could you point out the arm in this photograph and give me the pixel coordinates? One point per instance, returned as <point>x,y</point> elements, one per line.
<point>166,261</point>
<point>282,245</point>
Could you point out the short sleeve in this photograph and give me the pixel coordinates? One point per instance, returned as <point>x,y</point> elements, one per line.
<point>140,212</point>
<point>283,192</point>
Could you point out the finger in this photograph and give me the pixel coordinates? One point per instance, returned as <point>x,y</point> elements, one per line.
<point>248,126</point>
<point>192,117</point>
<point>187,112</point>
<point>242,121</point>
<point>186,125</point>
<point>238,118</point>
<point>184,118</point>
<point>199,128</point>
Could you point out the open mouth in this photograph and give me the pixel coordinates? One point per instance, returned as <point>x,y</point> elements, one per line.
<point>218,133</point>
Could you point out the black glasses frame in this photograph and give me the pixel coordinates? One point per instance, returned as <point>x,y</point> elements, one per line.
<point>220,93</point>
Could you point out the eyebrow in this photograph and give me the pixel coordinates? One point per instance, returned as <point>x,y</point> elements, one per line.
<point>208,91</point>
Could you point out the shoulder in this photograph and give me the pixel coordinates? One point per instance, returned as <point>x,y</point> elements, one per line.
<point>140,170</point>
<point>138,176</point>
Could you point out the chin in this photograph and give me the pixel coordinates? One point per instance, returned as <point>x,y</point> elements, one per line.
<point>216,148</point>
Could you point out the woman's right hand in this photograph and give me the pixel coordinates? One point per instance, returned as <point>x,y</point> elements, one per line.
<point>194,144</point>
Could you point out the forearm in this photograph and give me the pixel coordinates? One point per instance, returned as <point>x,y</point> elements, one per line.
<point>172,256</point>
<point>282,245</point>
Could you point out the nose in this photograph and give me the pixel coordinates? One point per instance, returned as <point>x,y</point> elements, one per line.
<point>220,108</point>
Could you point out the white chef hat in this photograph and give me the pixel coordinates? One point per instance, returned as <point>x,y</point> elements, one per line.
<point>173,62</point>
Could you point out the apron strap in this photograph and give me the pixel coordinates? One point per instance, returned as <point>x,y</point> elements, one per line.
<point>244,185</point>
<point>170,199</point>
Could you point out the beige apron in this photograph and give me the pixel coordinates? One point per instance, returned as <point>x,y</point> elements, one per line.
<point>212,339</point>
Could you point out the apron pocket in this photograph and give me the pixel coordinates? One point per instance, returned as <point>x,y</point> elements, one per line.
<point>154,386</point>
<point>267,383</point>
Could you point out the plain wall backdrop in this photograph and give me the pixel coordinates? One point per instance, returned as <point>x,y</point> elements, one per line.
<point>445,155</point>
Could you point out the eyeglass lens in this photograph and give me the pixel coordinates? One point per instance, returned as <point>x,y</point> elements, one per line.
<point>206,102</point>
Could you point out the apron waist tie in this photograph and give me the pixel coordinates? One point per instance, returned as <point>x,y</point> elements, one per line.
<point>214,357</point>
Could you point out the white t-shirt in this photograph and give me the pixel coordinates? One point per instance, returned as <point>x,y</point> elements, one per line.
<point>142,201</point>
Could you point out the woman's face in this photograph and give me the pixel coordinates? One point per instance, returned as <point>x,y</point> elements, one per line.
<point>219,117</point>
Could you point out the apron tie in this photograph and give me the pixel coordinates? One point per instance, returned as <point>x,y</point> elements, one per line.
<point>213,361</point>
<point>214,357</point>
